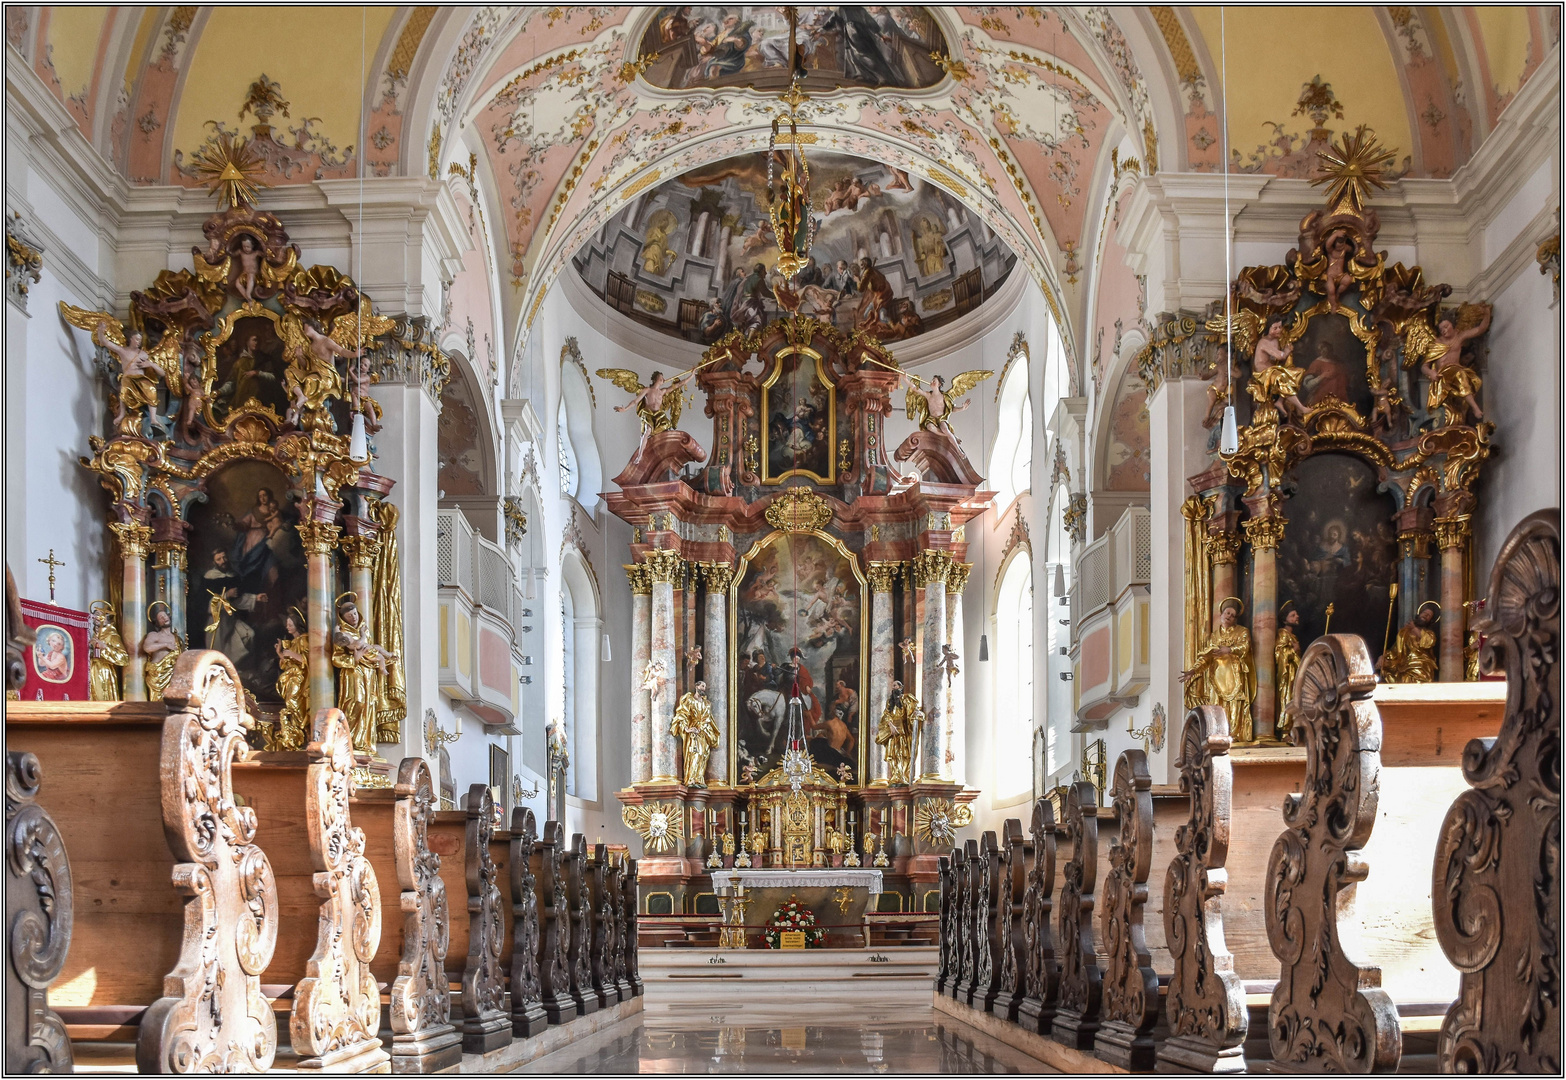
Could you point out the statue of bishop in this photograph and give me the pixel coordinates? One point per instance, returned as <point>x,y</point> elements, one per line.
<point>698,734</point>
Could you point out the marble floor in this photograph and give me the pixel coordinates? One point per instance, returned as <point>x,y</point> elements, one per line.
<point>820,1042</point>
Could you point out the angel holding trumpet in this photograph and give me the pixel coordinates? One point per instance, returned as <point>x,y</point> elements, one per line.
<point>932,406</point>
<point>657,404</point>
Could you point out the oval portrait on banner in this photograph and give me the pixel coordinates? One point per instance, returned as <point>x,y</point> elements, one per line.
<point>54,656</point>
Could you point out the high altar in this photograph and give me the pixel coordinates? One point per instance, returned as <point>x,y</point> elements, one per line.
<point>794,560</point>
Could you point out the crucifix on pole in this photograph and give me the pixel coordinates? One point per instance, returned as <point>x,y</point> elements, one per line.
<point>51,562</point>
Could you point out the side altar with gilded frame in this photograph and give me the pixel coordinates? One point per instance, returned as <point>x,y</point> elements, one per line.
<point>792,590</point>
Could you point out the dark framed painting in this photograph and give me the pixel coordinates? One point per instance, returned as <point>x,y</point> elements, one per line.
<point>1339,548</point>
<point>799,405</point>
<point>500,780</point>
<point>245,551</point>
<point>799,620</point>
<point>249,369</point>
<point>712,46</point>
<point>1334,360</point>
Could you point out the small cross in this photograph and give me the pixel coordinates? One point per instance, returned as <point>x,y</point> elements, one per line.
<point>51,562</point>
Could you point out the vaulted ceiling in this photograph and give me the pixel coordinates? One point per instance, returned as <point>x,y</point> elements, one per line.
<point>1034,115</point>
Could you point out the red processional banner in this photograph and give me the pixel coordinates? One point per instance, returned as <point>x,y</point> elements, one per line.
<point>57,662</point>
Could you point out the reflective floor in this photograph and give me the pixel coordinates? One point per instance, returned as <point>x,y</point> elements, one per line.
<point>919,1041</point>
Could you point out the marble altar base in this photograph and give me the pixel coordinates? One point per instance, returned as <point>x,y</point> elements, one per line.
<point>839,899</point>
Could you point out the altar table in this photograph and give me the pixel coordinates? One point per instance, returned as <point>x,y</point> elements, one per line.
<point>839,898</point>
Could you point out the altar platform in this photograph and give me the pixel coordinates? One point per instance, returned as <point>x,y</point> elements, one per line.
<point>759,986</point>
<point>838,897</point>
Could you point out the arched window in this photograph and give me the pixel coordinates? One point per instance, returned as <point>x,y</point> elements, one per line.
<point>565,454</point>
<point>580,627</point>
<point>581,474</point>
<point>1014,678</point>
<point>1011,458</point>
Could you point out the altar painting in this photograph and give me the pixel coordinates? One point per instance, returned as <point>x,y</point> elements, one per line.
<point>799,403</point>
<point>1338,548</point>
<point>1334,362</point>
<point>799,612</point>
<point>249,369</point>
<point>245,549</point>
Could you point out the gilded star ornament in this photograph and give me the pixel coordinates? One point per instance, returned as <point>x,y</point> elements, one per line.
<point>936,821</point>
<point>1353,167</point>
<point>230,169</point>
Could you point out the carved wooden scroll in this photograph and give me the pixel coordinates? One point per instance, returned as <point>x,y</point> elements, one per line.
<point>37,925</point>
<point>527,1005</point>
<point>1130,988</point>
<point>554,956</point>
<point>1497,888</point>
<point>603,927</point>
<point>632,970</point>
<point>1328,1012</point>
<point>967,888</point>
<point>984,921</point>
<point>580,903</point>
<point>485,1024</point>
<point>336,1019</point>
<point>1204,1008</point>
<point>423,1038</point>
<point>622,982</point>
<point>1081,981</point>
<point>948,934</point>
<point>214,1017</point>
<point>1041,970</point>
<point>1013,879</point>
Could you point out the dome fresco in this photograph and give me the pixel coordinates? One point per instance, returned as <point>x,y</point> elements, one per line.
<point>893,254</point>
<point>877,47</point>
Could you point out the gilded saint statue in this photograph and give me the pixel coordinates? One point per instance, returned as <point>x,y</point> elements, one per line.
<point>697,732</point>
<point>293,684</point>
<point>1412,658</point>
<point>1224,673</point>
<point>896,731</point>
<point>160,650</point>
<point>1454,386</point>
<point>106,654</point>
<point>362,664</point>
<point>1286,661</point>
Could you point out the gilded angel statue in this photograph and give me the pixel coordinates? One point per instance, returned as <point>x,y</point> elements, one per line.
<point>932,407</point>
<point>1454,386</point>
<point>140,369</point>
<point>657,404</point>
<point>312,376</point>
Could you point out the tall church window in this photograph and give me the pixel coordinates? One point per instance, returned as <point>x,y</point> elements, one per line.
<point>1011,458</point>
<point>1014,678</point>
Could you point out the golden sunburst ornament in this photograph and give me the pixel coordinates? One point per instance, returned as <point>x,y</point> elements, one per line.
<point>230,169</point>
<point>1353,167</point>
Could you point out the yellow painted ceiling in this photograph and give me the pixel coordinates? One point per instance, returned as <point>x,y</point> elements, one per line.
<point>1273,51</point>
<point>1506,35</point>
<point>74,33</point>
<point>138,51</point>
<point>311,52</point>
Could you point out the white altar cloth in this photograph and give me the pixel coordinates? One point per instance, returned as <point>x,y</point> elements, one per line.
<point>828,878</point>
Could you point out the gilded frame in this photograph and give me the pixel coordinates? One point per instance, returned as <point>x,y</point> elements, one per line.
<point>773,376</point>
<point>1369,335</point>
<point>219,335</point>
<point>864,644</point>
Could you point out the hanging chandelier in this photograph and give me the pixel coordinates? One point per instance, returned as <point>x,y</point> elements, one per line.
<point>797,764</point>
<point>788,195</point>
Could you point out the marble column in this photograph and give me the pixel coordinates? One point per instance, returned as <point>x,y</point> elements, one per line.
<point>930,570</point>
<point>715,663</point>
<point>361,550</point>
<point>664,568</point>
<point>956,690</point>
<point>319,535</point>
<point>135,540</point>
<point>641,645</point>
<point>883,659</point>
<point>170,558</point>
<point>1225,550</point>
<point>1264,529</point>
<point>1452,535</point>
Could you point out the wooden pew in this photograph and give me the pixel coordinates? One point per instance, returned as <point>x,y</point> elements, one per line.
<point>1081,980</point>
<point>486,1025</point>
<point>603,927</point>
<point>633,973</point>
<point>944,964</point>
<point>1130,985</point>
<point>580,949</point>
<point>1041,977</point>
<point>554,956</point>
<point>38,900</point>
<point>527,1007</point>
<point>1010,933</point>
<point>622,946</point>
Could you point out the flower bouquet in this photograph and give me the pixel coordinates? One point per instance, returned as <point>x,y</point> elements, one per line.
<point>791,915</point>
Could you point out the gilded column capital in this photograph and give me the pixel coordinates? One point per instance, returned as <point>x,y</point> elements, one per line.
<point>930,567</point>
<point>1414,543</point>
<point>361,551</point>
<point>664,566</point>
<point>719,576</point>
<point>1452,532</point>
<point>168,555</point>
<point>1224,546</point>
<point>134,539</point>
<point>957,577</point>
<point>1265,533</point>
<point>636,574</point>
<point>883,575</point>
<point>318,536</point>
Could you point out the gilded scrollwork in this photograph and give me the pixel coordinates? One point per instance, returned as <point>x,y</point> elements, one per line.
<point>1328,1012</point>
<point>38,917</point>
<point>1496,881</point>
<point>336,1017</point>
<point>215,1018</point>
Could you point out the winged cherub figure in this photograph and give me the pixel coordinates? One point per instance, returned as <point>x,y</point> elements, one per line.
<point>657,404</point>
<point>140,369</point>
<point>932,407</point>
<point>312,370</point>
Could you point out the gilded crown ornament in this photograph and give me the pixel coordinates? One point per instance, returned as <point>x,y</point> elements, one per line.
<point>799,509</point>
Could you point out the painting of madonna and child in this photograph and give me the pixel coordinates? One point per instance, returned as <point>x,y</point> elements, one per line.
<point>798,621</point>
<point>877,47</point>
<point>247,573</point>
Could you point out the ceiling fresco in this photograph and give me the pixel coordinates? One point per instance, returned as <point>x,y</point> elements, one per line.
<point>893,254</point>
<point>710,47</point>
